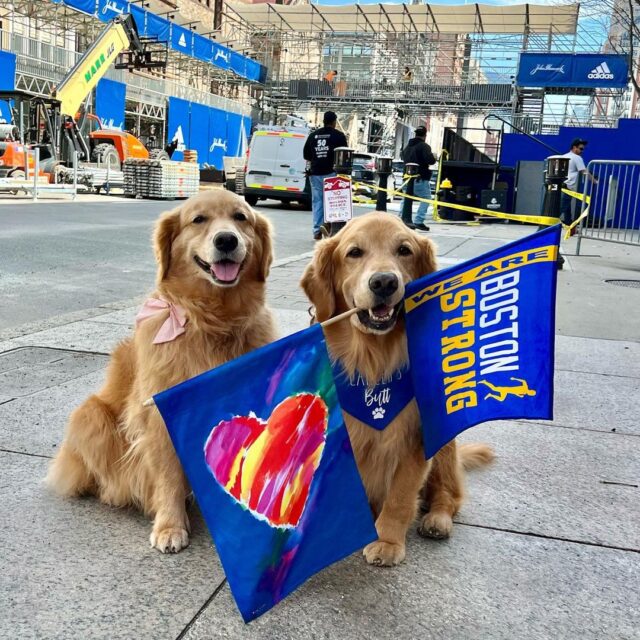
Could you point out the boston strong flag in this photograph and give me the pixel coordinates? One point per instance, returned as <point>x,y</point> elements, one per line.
<point>481,338</point>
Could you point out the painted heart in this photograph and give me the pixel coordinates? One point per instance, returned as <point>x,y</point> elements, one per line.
<point>268,466</point>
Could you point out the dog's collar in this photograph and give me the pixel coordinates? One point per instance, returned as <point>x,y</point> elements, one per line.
<point>172,327</point>
<point>376,406</point>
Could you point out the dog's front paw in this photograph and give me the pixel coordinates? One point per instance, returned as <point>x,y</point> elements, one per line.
<point>384,554</point>
<point>169,539</point>
<point>436,525</point>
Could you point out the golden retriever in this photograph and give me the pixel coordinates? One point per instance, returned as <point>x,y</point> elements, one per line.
<point>366,266</point>
<point>214,253</point>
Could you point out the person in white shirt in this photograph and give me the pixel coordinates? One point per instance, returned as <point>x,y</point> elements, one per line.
<point>576,169</point>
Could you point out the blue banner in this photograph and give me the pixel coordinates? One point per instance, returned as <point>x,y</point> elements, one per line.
<point>86,6</point>
<point>5,112</point>
<point>202,48</point>
<point>178,126</point>
<point>110,9</point>
<point>264,446</point>
<point>481,338</point>
<point>157,27</point>
<point>239,64</point>
<point>110,101</point>
<point>586,70</point>
<point>182,39</point>
<point>217,137</point>
<point>221,56</point>
<point>7,71</point>
<point>199,128</point>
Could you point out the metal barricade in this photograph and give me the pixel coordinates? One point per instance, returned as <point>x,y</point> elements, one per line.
<point>613,203</point>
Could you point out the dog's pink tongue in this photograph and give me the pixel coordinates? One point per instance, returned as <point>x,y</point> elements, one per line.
<point>226,271</point>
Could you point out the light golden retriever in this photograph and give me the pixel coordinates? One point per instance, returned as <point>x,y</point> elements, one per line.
<point>214,253</point>
<point>366,266</point>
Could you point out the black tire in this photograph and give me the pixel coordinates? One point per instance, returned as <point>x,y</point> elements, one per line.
<point>306,205</point>
<point>105,155</point>
<point>251,199</point>
<point>158,154</point>
<point>230,185</point>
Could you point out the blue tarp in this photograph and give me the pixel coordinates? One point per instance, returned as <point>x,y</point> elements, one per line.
<point>178,125</point>
<point>586,70</point>
<point>110,98</point>
<point>217,137</point>
<point>199,128</point>
<point>7,71</point>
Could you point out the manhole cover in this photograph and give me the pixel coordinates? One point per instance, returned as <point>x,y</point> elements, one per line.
<point>634,284</point>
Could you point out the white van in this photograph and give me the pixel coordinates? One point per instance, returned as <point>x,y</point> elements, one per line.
<point>275,168</point>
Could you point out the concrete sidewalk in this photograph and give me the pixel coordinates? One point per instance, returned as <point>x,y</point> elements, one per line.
<point>546,546</point>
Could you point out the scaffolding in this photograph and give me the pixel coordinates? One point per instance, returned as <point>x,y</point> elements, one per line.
<point>48,38</point>
<point>413,61</point>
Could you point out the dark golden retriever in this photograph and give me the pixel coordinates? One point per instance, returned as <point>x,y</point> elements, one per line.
<point>213,254</point>
<point>366,266</point>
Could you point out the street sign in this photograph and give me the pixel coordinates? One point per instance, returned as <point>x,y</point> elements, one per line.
<point>338,200</point>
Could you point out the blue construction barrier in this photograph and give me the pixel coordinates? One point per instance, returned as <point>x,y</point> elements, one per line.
<point>110,101</point>
<point>179,125</point>
<point>199,131</point>
<point>218,141</point>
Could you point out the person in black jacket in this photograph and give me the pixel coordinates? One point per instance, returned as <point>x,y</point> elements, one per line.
<point>318,151</point>
<point>419,152</point>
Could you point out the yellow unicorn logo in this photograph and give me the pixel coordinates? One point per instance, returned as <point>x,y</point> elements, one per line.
<point>500,393</point>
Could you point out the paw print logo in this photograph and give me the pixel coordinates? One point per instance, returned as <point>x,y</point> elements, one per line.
<point>378,413</point>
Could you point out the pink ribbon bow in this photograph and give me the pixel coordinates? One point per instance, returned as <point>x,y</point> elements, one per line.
<point>172,327</point>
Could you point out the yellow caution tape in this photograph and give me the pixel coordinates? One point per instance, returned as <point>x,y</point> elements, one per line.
<point>578,196</point>
<point>540,220</point>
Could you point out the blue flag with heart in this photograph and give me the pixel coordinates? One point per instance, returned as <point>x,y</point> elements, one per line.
<point>481,338</point>
<point>263,443</point>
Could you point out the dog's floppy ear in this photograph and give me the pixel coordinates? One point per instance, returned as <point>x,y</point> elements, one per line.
<point>317,280</point>
<point>165,233</point>
<point>426,259</point>
<point>264,231</point>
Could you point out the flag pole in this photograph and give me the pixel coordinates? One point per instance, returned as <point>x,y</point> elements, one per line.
<point>327,323</point>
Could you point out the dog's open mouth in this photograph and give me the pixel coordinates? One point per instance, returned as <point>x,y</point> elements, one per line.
<point>382,317</point>
<point>224,271</point>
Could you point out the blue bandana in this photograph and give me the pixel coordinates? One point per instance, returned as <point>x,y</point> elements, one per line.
<point>376,406</point>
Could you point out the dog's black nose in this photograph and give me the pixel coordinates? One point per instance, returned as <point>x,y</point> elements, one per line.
<point>225,241</point>
<point>383,283</point>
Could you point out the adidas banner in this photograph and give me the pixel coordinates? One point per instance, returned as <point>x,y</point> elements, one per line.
<point>587,70</point>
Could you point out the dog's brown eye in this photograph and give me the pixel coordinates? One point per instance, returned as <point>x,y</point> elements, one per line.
<point>403,250</point>
<point>199,220</point>
<point>356,252</point>
<point>239,216</point>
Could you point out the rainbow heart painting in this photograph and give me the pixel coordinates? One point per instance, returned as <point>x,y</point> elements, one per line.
<point>264,446</point>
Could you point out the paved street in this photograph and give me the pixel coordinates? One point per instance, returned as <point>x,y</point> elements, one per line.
<point>59,258</point>
<point>547,544</point>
